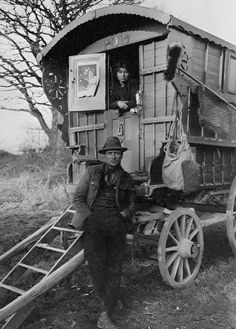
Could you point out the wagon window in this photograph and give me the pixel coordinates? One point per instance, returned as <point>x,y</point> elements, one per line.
<point>232,74</point>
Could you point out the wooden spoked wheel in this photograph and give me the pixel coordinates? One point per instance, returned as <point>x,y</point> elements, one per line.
<point>180,248</point>
<point>231,217</point>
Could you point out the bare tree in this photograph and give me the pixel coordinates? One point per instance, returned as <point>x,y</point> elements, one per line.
<point>26,26</point>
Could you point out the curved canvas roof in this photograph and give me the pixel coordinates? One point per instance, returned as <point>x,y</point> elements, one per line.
<point>108,16</point>
<point>98,14</point>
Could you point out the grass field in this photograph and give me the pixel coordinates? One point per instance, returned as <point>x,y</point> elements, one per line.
<point>26,203</point>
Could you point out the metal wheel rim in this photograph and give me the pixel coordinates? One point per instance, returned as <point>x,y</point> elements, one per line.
<point>180,248</point>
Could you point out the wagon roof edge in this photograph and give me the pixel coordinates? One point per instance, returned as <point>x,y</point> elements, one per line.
<point>156,15</point>
<point>151,13</point>
<point>191,29</point>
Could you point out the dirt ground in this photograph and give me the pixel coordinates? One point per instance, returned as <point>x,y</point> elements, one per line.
<point>209,302</point>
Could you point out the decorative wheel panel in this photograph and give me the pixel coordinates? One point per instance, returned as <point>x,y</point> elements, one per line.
<point>180,248</point>
<point>54,84</point>
<point>231,217</point>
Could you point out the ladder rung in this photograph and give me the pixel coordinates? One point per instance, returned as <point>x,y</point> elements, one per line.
<point>47,247</point>
<point>14,289</point>
<point>33,268</point>
<point>63,229</point>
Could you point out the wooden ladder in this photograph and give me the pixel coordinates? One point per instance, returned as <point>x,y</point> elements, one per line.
<point>49,260</point>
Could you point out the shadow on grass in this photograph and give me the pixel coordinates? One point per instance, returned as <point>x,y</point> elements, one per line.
<point>216,245</point>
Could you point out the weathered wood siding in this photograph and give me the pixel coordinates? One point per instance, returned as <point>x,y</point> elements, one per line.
<point>198,59</point>
<point>87,128</point>
<point>214,67</point>
<point>218,165</point>
<point>157,99</point>
<point>215,154</point>
<point>207,63</point>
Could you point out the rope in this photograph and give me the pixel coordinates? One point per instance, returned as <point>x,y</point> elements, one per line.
<point>176,131</point>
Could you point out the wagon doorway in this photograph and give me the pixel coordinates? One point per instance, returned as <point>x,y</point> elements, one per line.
<point>144,134</point>
<point>102,119</point>
<point>92,119</point>
<point>125,124</point>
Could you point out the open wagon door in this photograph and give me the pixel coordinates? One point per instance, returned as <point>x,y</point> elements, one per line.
<point>87,102</point>
<point>87,82</point>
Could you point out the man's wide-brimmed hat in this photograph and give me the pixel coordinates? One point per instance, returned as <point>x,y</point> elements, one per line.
<point>112,143</point>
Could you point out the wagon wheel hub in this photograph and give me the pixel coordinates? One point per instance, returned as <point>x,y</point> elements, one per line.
<point>186,248</point>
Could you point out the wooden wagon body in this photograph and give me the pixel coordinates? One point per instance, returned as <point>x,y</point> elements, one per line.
<point>205,77</point>
<point>143,35</point>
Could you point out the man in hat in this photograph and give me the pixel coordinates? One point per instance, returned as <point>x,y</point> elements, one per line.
<point>104,201</point>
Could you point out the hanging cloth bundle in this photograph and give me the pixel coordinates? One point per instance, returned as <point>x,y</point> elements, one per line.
<point>179,170</point>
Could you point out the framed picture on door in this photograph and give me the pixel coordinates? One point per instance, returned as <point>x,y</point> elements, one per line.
<point>87,79</point>
<point>87,82</point>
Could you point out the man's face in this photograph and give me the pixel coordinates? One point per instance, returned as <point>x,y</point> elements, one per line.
<point>113,157</point>
<point>122,75</point>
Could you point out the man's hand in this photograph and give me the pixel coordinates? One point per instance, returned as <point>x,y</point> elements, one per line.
<point>124,214</point>
<point>122,105</point>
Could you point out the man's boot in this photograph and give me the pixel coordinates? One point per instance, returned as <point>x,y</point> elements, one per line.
<point>104,322</point>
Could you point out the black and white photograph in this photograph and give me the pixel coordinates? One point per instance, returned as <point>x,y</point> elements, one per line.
<point>118,164</point>
<point>88,79</point>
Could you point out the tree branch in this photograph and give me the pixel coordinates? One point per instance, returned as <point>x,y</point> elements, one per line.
<point>26,26</point>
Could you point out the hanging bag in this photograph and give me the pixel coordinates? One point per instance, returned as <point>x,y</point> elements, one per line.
<point>179,170</point>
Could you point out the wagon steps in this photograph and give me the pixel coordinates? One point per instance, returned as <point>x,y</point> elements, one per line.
<point>47,262</point>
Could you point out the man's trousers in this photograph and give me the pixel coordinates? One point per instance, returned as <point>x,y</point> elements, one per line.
<point>105,252</point>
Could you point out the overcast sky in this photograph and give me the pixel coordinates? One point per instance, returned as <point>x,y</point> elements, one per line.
<point>214,16</point>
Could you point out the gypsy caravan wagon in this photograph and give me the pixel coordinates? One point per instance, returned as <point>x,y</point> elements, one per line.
<point>202,91</point>
<point>186,91</point>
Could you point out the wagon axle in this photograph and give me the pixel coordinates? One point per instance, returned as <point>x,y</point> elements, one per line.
<point>187,249</point>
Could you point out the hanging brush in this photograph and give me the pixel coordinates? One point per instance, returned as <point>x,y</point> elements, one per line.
<point>173,55</point>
